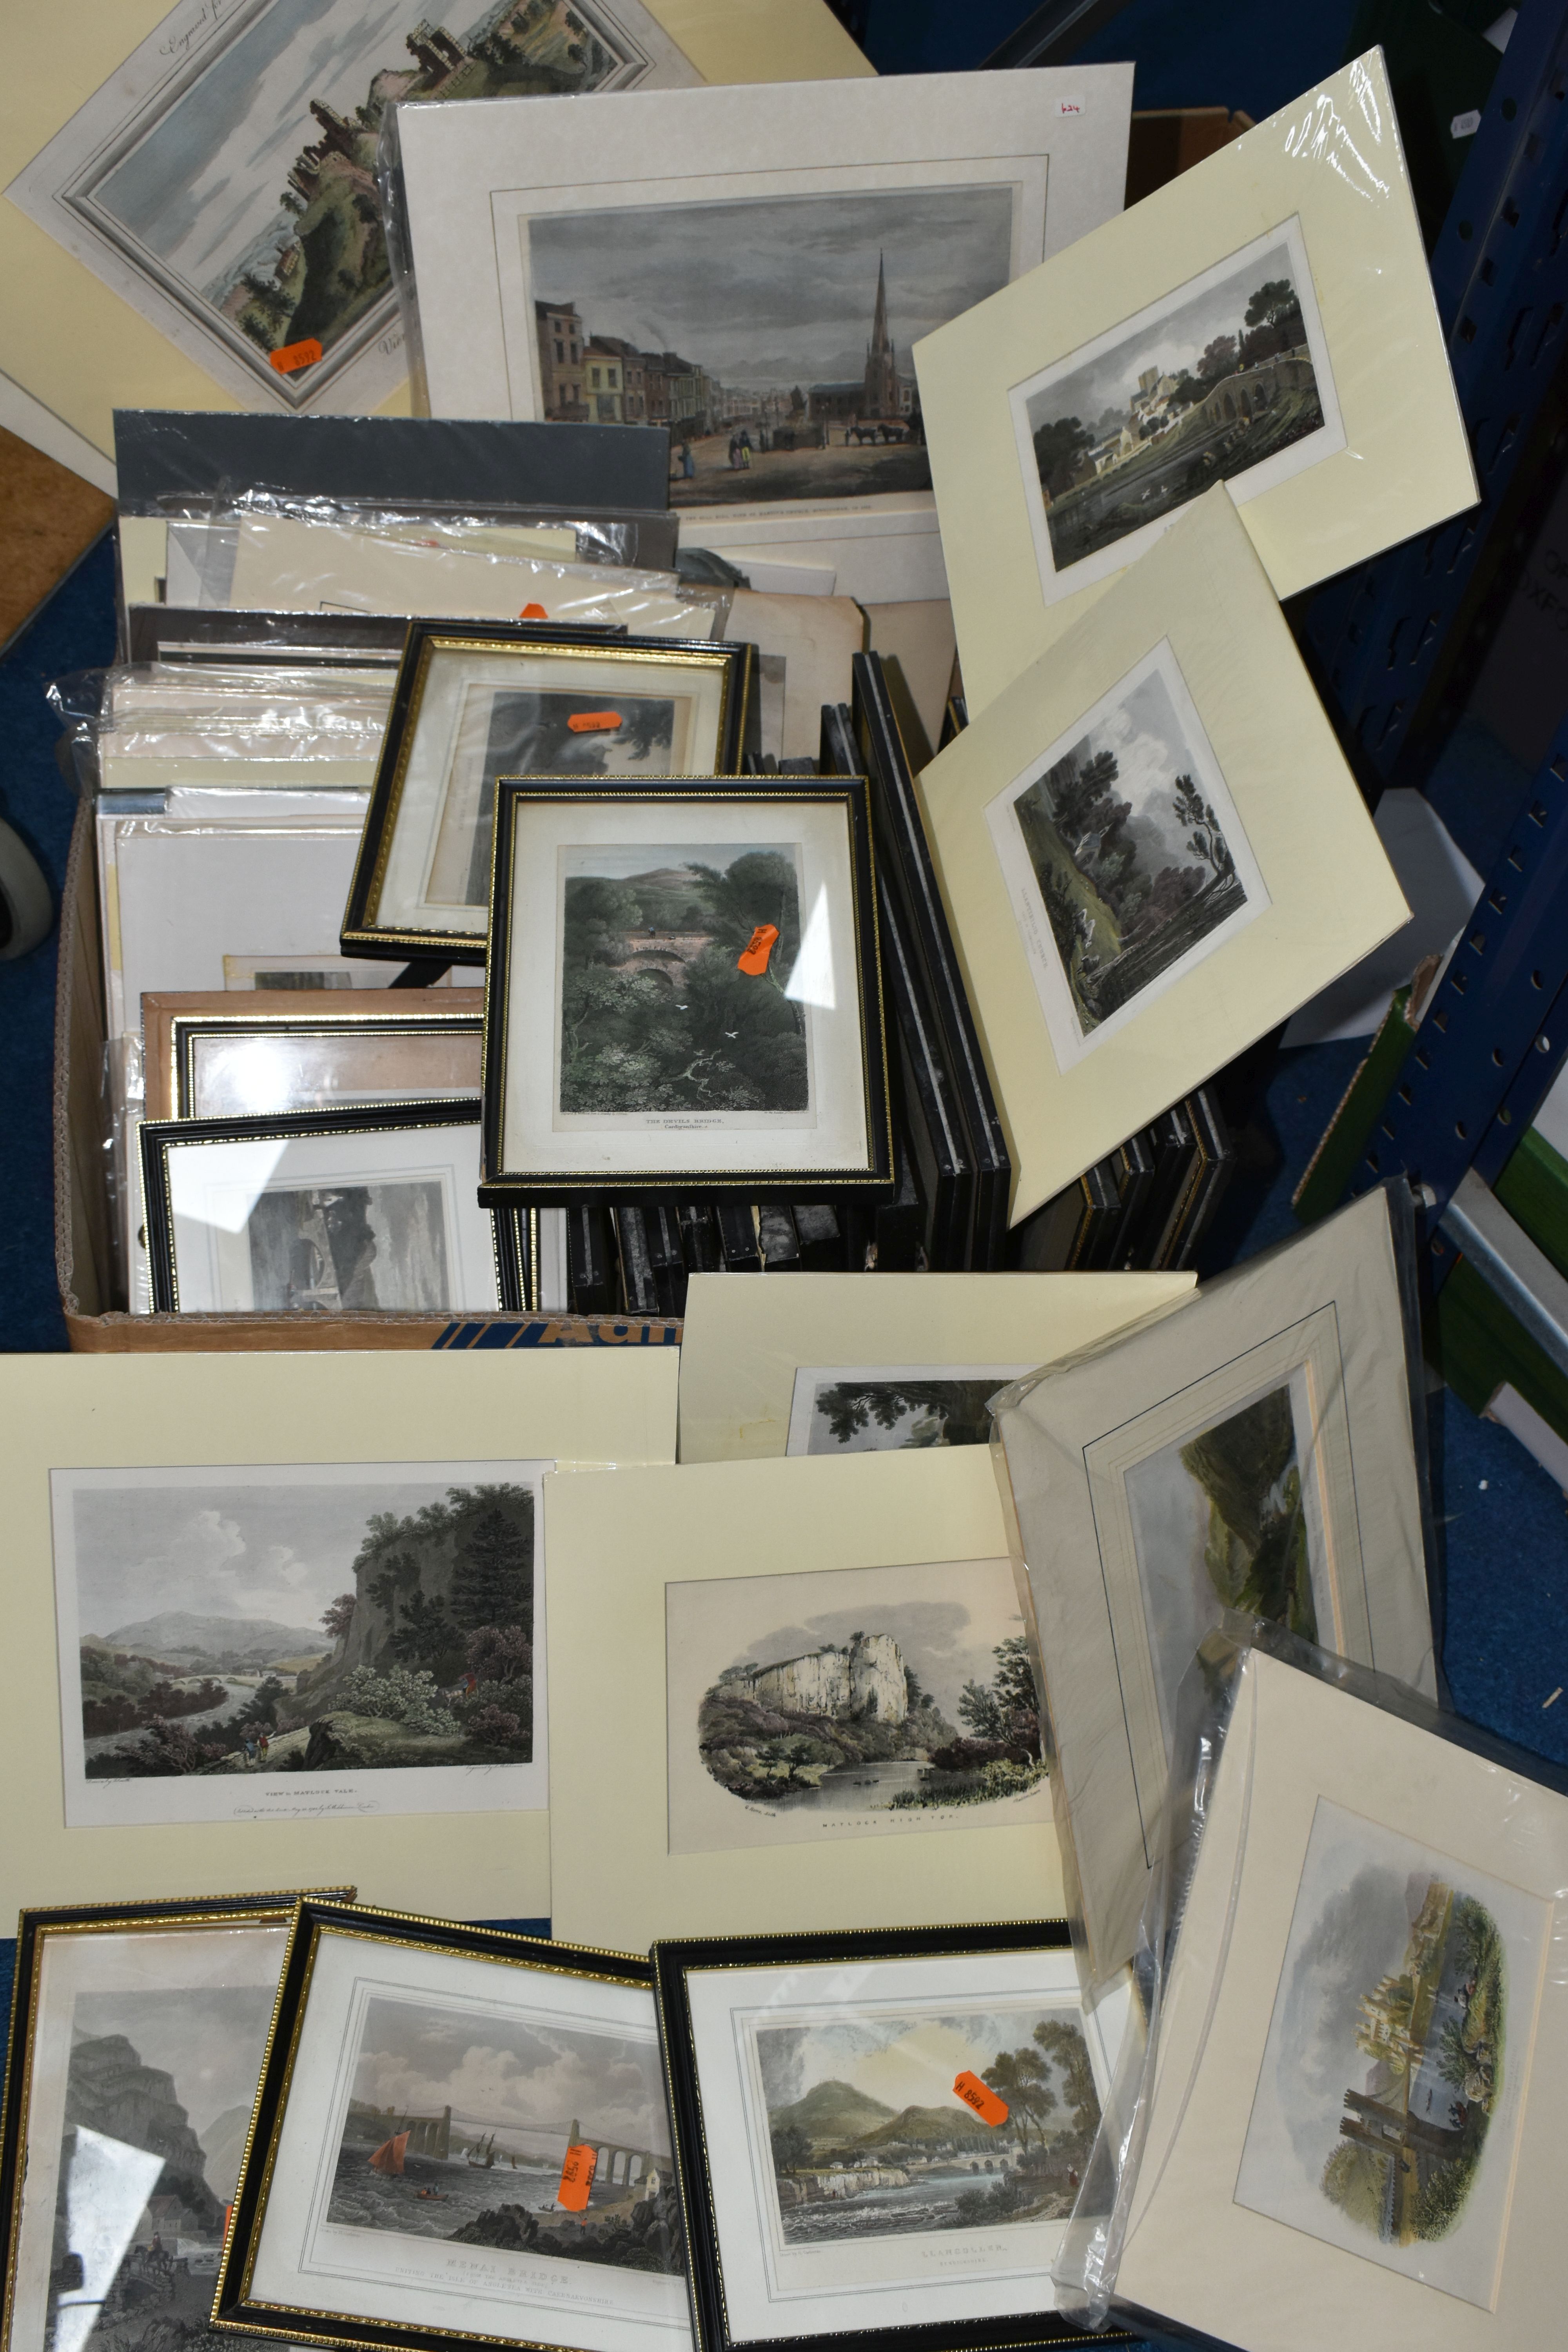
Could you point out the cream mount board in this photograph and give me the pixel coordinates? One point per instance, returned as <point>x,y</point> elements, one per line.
<point>1254,1450</point>
<point>1265,319</point>
<point>743,1358</point>
<point>685,1564</point>
<point>124,145</point>
<point>1115,963</point>
<point>149,1429</point>
<point>1342,1847</point>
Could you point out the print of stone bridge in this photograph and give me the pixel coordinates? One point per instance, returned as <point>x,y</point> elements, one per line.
<point>664,953</point>
<point>616,2165</point>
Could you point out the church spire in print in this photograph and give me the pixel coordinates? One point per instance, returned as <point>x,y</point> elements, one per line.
<point>881,393</point>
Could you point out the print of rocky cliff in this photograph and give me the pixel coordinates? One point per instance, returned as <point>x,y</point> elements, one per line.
<point>776,1732</point>
<point>320,265</point>
<point>1255,1554</point>
<point>160,2296</point>
<point>428,1661</point>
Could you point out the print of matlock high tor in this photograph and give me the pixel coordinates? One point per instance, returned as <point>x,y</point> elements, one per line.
<point>865,1679</point>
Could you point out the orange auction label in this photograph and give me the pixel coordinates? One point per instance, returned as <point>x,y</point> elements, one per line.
<point>753,956</point>
<point>534,612</point>
<point>594,722</point>
<point>296,355</point>
<point>981,2098</point>
<point>576,2178</point>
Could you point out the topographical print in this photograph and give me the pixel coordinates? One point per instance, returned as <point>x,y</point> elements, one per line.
<point>223,181</point>
<point>1387,2116</point>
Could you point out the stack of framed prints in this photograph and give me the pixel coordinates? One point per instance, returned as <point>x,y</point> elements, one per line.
<point>908,1363</point>
<point>1264,320</point>
<point>833,2185</point>
<point>479,703</point>
<point>822,1667</point>
<point>291,1607</point>
<point>1255,1450</point>
<point>684,993</point>
<point>1142,880</point>
<point>957,1154</point>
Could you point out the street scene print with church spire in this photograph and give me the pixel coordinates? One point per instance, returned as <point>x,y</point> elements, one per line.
<point>771,335</point>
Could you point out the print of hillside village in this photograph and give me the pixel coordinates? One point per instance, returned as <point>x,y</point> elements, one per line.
<point>1412,2136</point>
<point>320,265</point>
<point>1248,392</point>
<point>851,1709</point>
<point>427,1661</point>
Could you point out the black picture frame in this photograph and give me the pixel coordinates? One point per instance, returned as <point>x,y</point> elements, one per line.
<point>502,1185</point>
<point>910,874</point>
<point>365,932</point>
<point>159,1136</point>
<point>674,1959</point>
<point>233,2304</point>
<point>86,1919</point>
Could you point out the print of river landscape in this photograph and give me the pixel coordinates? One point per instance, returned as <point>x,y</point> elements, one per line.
<point>363,2200</point>
<point>929,2204</point>
<point>856,1787</point>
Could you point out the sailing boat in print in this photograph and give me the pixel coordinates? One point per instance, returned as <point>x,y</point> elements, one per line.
<point>388,2158</point>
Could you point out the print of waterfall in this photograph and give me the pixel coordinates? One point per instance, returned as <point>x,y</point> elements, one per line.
<point>1114,983</point>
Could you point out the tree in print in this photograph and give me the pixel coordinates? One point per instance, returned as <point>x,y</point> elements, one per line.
<point>657,1014</point>
<point>1205,840</point>
<point>953,1412</point>
<point>1023,2079</point>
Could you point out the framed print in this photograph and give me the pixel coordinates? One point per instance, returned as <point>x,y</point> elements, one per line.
<point>228,1516</point>
<point>840,1728</point>
<point>208,1057</point>
<point>1253,1451</point>
<point>836,1365</point>
<point>749,267</point>
<point>709,958</point>
<point>137,2037</point>
<point>419,1686</point>
<point>371,1208</point>
<point>478,703</point>
<point>831,2169</point>
<point>1264,320</point>
<point>460,2136</point>
<point>1139,886</point>
<point>1351,2107</point>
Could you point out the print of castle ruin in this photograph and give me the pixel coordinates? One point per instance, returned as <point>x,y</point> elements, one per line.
<point>320,266</point>
<point>856,1708</point>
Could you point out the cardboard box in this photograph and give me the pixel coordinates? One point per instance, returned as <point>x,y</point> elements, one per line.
<point>84,1252</point>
